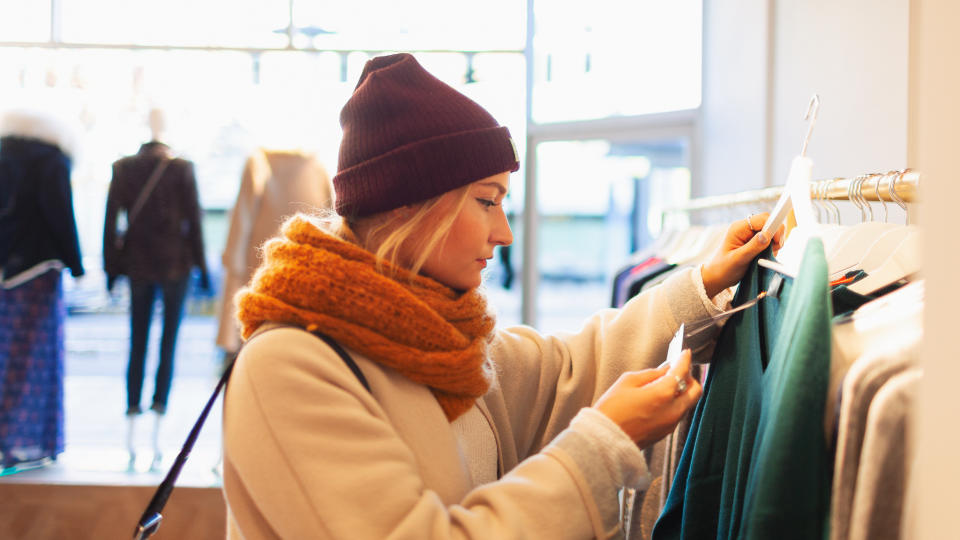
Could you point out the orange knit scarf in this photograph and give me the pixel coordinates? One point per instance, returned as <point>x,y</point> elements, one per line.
<point>428,332</point>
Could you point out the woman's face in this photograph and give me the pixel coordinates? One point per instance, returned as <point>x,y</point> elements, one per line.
<point>480,226</point>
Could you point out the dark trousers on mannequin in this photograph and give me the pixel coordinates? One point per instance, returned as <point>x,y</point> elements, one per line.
<point>143,296</point>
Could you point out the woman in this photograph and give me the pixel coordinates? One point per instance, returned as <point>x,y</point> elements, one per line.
<point>467,430</point>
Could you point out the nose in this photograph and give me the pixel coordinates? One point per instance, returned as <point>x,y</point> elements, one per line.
<point>501,234</point>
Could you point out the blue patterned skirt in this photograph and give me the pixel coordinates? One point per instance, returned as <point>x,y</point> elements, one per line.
<point>31,370</point>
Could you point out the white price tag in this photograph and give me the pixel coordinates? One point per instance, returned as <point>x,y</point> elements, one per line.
<point>675,349</point>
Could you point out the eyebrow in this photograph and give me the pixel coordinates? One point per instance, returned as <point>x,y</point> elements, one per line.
<point>500,187</point>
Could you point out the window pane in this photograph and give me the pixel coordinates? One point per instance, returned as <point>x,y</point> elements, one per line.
<point>24,21</point>
<point>233,23</point>
<point>599,201</point>
<point>410,25</point>
<point>640,56</point>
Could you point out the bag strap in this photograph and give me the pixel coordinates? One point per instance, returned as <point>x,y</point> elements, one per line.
<point>151,518</point>
<point>147,190</point>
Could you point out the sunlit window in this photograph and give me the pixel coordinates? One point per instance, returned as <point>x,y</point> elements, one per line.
<point>235,23</point>
<point>599,202</point>
<point>410,25</point>
<point>641,56</point>
<point>24,21</point>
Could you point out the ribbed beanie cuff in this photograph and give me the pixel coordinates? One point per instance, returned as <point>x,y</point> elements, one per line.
<point>408,137</point>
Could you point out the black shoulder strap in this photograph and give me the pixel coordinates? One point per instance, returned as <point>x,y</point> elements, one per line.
<point>150,520</point>
<point>345,356</point>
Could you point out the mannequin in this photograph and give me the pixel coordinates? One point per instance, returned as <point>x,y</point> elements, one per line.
<point>162,244</point>
<point>38,239</point>
<point>157,120</point>
<point>274,184</point>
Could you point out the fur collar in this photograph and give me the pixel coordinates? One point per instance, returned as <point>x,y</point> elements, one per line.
<point>41,126</point>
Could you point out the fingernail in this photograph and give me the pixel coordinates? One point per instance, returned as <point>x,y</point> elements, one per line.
<point>762,238</point>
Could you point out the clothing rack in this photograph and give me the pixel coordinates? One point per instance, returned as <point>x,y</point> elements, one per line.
<point>893,186</point>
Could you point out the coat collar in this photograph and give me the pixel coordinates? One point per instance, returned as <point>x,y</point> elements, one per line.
<point>41,126</point>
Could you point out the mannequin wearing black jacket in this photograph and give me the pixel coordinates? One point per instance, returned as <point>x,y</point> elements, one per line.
<point>161,245</point>
<point>38,239</point>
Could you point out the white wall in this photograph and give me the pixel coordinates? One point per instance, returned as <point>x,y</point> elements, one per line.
<point>733,120</point>
<point>853,53</point>
<point>764,59</point>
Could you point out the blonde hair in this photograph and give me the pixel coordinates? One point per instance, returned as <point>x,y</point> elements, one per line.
<point>423,228</point>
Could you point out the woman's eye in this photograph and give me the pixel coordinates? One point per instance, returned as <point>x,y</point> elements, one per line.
<point>487,202</point>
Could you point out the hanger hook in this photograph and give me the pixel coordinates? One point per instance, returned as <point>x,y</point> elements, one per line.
<point>817,188</point>
<point>866,203</point>
<point>892,189</point>
<point>812,109</point>
<point>851,194</point>
<point>879,198</point>
<point>836,209</point>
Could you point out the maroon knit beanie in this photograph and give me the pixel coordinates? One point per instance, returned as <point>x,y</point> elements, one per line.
<point>408,137</point>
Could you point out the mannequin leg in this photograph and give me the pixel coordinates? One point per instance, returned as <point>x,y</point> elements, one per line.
<point>157,454</point>
<point>174,293</point>
<point>131,448</point>
<point>141,307</point>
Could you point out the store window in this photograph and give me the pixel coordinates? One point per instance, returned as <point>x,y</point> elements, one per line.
<point>24,21</point>
<point>222,23</point>
<point>221,103</point>
<point>599,201</point>
<point>643,57</point>
<point>410,25</point>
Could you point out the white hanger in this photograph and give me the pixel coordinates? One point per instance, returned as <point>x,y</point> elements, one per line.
<point>796,195</point>
<point>849,249</point>
<point>702,247</point>
<point>902,262</point>
<point>800,168</point>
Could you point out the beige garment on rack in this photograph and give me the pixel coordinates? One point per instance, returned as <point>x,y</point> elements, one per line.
<point>883,474</point>
<point>882,341</point>
<point>275,184</point>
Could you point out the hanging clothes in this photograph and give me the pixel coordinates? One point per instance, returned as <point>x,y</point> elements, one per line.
<point>38,238</point>
<point>275,184</point>
<point>884,344</point>
<point>161,246</point>
<point>31,370</point>
<point>883,472</point>
<point>736,477</point>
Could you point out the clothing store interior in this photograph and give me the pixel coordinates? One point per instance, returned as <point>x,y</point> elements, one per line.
<point>643,128</point>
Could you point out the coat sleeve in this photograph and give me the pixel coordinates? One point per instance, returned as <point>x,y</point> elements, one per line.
<point>57,207</point>
<point>309,453</point>
<point>112,264</point>
<point>192,213</point>
<point>545,380</point>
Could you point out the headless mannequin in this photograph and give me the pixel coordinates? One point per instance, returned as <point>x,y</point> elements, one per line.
<point>157,120</point>
<point>157,123</point>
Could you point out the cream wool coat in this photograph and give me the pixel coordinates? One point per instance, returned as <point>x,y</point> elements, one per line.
<point>309,453</point>
<point>275,185</point>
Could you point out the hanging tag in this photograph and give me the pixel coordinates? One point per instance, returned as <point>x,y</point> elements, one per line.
<point>675,349</point>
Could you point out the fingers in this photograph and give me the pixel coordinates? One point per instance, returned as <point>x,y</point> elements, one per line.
<point>643,377</point>
<point>678,383</point>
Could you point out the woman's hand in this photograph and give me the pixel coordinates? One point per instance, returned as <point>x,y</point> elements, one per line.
<point>742,243</point>
<point>648,404</point>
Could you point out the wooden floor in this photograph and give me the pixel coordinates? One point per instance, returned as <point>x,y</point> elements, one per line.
<point>54,504</point>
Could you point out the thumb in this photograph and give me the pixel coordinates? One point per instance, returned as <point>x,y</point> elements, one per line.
<point>645,376</point>
<point>758,243</point>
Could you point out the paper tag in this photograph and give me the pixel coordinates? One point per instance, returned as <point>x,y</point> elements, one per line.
<point>675,349</point>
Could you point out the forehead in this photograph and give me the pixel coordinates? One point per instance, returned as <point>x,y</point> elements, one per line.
<point>500,182</point>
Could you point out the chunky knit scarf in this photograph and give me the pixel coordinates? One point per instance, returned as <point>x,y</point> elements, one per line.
<point>428,332</point>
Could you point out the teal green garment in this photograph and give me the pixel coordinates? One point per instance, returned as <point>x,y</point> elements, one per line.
<point>788,487</point>
<point>712,484</point>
